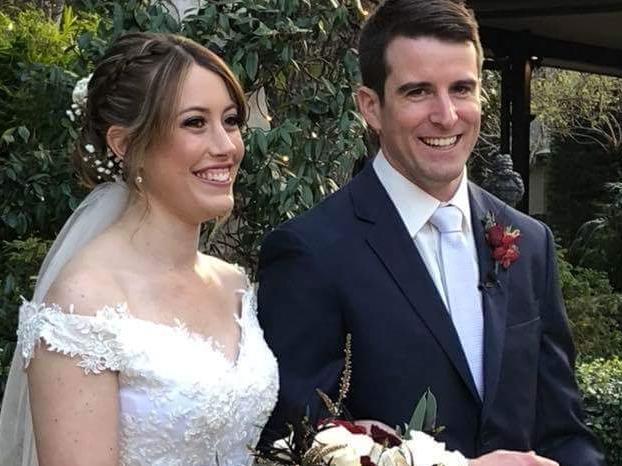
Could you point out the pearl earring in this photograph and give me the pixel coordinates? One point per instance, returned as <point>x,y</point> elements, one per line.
<point>139,179</point>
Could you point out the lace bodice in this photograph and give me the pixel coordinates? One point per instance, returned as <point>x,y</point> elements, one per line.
<point>182,402</point>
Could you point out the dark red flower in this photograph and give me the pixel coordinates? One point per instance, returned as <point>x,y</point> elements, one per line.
<point>366,461</point>
<point>498,253</point>
<point>494,235</point>
<point>354,429</point>
<point>511,254</point>
<point>502,242</point>
<point>383,437</point>
<point>509,239</point>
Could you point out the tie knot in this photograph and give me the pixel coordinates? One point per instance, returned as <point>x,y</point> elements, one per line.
<point>447,219</point>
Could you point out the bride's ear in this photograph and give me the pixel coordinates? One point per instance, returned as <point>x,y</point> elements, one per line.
<point>116,139</point>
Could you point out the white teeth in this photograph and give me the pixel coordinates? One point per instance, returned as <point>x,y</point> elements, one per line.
<point>440,142</point>
<point>215,174</point>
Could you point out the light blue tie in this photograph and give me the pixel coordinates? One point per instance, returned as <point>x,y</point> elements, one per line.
<point>460,281</point>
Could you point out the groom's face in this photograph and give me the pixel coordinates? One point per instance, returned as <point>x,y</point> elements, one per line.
<point>429,120</point>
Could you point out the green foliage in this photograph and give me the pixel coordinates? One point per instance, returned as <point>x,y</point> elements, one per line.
<point>601,385</point>
<point>424,416</point>
<point>37,193</point>
<point>598,243</point>
<point>594,310</point>
<point>28,35</point>
<point>20,262</point>
<point>576,179</point>
<point>566,101</point>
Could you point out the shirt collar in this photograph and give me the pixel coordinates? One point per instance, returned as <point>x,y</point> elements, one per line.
<point>414,205</point>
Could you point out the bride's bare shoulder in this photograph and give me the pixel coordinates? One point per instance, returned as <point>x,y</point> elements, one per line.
<point>91,279</point>
<point>229,275</point>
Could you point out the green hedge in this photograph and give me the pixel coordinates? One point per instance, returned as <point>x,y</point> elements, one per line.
<point>594,310</point>
<point>601,384</point>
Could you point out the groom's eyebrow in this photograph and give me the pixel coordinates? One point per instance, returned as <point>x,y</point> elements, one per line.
<point>409,86</point>
<point>426,85</point>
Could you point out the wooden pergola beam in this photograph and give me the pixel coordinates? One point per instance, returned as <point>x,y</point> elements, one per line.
<point>584,57</point>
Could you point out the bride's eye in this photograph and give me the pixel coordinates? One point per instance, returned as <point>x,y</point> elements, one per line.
<point>233,121</point>
<point>194,122</point>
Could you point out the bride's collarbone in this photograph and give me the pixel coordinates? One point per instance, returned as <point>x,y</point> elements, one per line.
<point>204,308</point>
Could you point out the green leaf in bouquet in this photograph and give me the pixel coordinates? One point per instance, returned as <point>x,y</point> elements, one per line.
<point>429,423</point>
<point>424,416</point>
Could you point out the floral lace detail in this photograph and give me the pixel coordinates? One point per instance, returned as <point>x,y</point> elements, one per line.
<point>92,338</point>
<point>182,402</point>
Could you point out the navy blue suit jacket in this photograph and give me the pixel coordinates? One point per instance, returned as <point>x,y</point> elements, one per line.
<point>349,266</point>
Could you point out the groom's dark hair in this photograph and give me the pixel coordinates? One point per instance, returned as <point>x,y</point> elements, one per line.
<point>445,20</point>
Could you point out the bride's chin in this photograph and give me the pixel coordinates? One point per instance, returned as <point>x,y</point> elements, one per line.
<point>218,210</point>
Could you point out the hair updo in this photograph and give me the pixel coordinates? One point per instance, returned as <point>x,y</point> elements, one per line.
<point>136,85</point>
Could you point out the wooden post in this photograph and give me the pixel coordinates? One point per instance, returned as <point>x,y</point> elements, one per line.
<point>521,72</point>
<point>506,112</point>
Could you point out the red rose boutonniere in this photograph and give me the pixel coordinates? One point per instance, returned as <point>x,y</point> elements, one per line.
<point>502,241</point>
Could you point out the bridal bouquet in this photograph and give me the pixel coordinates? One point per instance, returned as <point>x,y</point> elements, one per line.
<point>336,441</point>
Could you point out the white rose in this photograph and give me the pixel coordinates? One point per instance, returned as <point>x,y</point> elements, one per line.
<point>353,446</point>
<point>425,451</point>
<point>335,435</point>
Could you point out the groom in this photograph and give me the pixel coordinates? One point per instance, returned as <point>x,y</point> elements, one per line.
<point>400,258</point>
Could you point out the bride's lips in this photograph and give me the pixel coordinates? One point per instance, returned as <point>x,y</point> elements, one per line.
<point>217,175</point>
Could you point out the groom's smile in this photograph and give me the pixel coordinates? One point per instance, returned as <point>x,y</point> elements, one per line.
<point>441,142</point>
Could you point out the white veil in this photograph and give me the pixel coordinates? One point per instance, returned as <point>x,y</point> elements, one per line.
<point>100,209</point>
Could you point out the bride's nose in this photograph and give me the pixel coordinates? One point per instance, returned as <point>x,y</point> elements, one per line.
<point>221,142</point>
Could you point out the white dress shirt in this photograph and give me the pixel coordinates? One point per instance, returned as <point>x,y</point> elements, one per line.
<point>415,207</point>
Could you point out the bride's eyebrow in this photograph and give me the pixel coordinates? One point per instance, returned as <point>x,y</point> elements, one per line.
<point>198,108</point>
<point>194,108</point>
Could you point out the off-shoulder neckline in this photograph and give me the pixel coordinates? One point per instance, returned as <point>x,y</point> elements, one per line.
<point>121,310</point>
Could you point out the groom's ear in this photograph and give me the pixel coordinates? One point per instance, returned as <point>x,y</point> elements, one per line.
<point>368,104</point>
<point>116,138</point>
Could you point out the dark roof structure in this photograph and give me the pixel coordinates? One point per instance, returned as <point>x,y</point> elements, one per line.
<point>581,35</point>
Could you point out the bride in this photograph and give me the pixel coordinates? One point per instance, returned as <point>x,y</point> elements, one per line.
<point>140,350</point>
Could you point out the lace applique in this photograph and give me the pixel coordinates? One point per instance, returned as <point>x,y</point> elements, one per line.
<point>92,338</point>
<point>182,402</point>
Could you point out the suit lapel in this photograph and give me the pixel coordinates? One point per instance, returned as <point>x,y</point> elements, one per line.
<point>494,297</point>
<point>390,241</point>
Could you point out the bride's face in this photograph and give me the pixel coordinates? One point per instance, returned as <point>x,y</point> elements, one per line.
<point>191,173</point>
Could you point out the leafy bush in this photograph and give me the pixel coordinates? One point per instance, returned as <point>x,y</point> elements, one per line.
<point>37,189</point>
<point>577,174</point>
<point>598,243</point>
<point>594,310</point>
<point>601,385</point>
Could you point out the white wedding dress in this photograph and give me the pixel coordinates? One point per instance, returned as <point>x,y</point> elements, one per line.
<point>182,401</point>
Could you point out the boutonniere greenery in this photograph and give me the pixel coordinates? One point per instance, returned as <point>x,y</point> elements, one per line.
<point>502,242</point>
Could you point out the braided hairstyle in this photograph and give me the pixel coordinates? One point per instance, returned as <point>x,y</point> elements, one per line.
<point>136,85</point>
